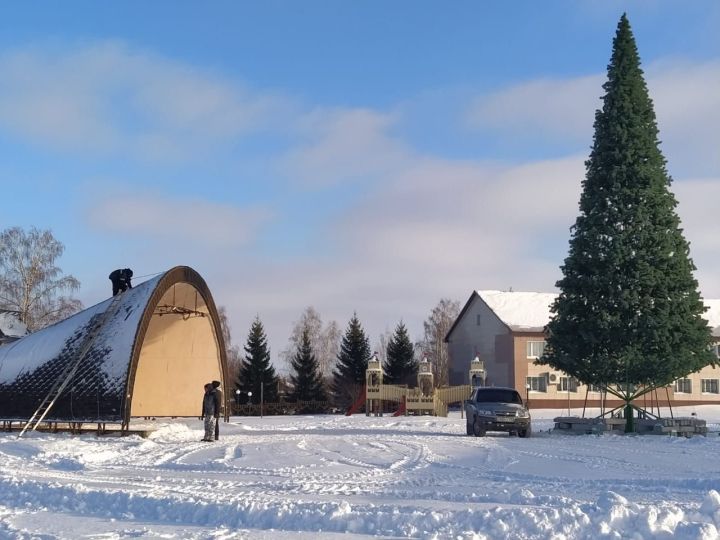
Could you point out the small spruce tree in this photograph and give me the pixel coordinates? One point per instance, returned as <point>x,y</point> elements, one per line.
<point>306,377</point>
<point>400,366</point>
<point>256,371</point>
<point>629,315</point>
<point>352,362</point>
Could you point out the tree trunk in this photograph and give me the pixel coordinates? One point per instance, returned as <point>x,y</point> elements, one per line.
<point>629,418</point>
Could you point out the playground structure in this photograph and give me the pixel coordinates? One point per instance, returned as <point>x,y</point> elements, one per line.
<point>424,399</point>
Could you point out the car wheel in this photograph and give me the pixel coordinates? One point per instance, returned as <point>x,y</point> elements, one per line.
<point>478,428</point>
<point>524,432</point>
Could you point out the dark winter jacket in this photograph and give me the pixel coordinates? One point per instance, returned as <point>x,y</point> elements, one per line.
<point>217,389</point>
<point>126,277</point>
<point>211,404</point>
<point>121,279</point>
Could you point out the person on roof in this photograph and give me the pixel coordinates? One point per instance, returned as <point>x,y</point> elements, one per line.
<point>121,280</point>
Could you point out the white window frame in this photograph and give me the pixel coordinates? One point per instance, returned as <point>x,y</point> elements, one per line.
<point>541,383</point>
<point>595,389</point>
<point>710,386</point>
<point>529,349</point>
<point>567,385</point>
<point>683,386</point>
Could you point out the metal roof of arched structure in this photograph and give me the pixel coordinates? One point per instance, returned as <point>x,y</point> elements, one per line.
<point>155,348</point>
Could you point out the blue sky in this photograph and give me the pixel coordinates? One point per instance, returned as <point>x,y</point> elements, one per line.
<point>367,156</point>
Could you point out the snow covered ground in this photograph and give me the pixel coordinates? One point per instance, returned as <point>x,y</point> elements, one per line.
<point>330,477</point>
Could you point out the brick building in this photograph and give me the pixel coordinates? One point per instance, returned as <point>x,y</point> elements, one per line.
<point>506,331</point>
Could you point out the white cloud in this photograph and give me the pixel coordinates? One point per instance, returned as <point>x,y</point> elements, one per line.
<point>687,103</point>
<point>190,221</point>
<point>440,228</point>
<point>562,108</point>
<point>107,97</point>
<point>344,145</point>
<point>425,227</point>
<point>697,208</point>
<point>685,94</point>
<point>436,229</point>
<point>467,226</point>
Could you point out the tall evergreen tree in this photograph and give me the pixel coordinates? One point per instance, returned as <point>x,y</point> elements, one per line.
<point>306,377</point>
<point>324,340</point>
<point>629,315</point>
<point>400,366</point>
<point>256,371</point>
<point>352,362</point>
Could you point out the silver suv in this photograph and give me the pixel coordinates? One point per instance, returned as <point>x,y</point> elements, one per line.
<point>496,409</point>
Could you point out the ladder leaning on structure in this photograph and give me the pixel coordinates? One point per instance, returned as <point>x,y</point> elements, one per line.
<point>71,368</point>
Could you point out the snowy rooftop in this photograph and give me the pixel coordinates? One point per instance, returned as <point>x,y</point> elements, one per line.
<point>520,310</point>
<point>29,366</point>
<point>530,311</point>
<point>712,315</point>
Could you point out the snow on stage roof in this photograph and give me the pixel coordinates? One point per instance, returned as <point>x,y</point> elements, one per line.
<point>530,311</point>
<point>160,343</point>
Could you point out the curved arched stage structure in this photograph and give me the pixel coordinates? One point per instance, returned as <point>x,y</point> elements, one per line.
<point>158,344</point>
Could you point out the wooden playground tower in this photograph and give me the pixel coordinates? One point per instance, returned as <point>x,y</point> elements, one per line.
<point>425,399</point>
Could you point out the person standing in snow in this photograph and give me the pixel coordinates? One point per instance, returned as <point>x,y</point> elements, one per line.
<point>217,388</point>
<point>210,412</point>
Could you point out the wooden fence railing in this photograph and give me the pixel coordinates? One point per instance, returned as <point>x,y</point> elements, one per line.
<point>282,407</point>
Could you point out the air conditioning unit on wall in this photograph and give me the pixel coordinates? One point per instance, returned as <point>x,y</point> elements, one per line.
<point>553,377</point>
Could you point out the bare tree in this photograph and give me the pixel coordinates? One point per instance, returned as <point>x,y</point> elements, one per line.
<point>329,347</point>
<point>232,351</point>
<point>324,340</point>
<point>433,344</point>
<point>30,283</point>
<point>382,344</point>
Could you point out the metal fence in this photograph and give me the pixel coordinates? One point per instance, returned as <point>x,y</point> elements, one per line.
<point>282,407</point>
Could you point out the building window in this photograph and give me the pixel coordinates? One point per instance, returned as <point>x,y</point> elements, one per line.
<point>716,349</point>
<point>683,386</point>
<point>535,349</point>
<point>596,388</point>
<point>537,384</point>
<point>478,319</point>
<point>710,386</point>
<point>567,384</point>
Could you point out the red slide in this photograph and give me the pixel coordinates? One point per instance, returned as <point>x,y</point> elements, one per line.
<point>359,402</point>
<point>401,409</point>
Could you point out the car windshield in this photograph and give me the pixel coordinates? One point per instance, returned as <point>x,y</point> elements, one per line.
<point>497,395</point>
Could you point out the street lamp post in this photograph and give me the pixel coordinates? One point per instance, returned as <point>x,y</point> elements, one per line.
<point>527,395</point>
<point>249,396</point>
<point>237,399</point>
